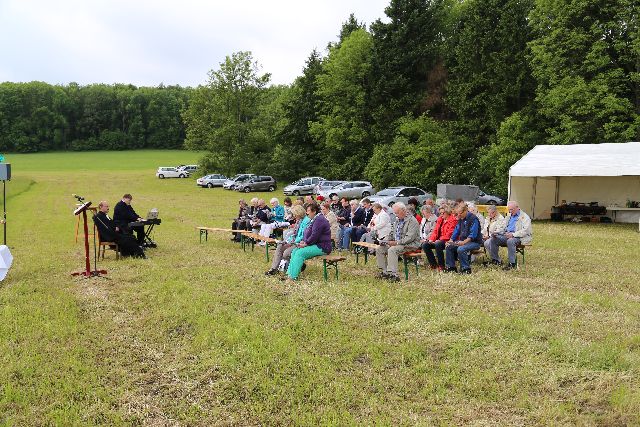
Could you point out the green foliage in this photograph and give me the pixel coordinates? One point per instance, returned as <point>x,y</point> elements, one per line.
<point>488,74</point>
<point>342,125</point>
<point>221,117</point>
<point>585,59</point>
<point>419,155</point>
<point>39,117</point>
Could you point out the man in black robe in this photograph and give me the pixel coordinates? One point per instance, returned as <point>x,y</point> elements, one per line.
<point>110,232</point>
<point>123,214</point>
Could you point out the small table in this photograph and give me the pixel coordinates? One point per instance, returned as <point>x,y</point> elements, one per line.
<point>616,209</point>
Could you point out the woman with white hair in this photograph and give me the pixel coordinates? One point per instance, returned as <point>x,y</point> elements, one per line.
<point>427,223</point>
<point>277,219</point>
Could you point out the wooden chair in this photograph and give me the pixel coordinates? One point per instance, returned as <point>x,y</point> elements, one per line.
<point>103,246</point>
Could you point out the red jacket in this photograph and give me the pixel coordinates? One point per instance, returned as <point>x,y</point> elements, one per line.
<point>443,231</point>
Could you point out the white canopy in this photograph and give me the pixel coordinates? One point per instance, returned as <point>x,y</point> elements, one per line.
<point>580,160</point>
<point>608,174</point>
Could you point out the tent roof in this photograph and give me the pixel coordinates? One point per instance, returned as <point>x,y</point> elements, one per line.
<point>580,160</point>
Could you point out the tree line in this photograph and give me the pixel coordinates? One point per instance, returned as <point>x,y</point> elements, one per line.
<point>38,116</point>
<point>441,91</point>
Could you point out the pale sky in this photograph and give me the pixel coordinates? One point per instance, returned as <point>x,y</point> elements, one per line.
<point>148,42</point>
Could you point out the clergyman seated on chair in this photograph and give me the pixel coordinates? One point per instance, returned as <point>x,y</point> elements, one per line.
<point>123,214</point>
<point>518,231</point>
<point>110,232</point>
<point>466,237</point>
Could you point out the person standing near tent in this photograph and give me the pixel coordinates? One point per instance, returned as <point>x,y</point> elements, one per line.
<point>518,231</point>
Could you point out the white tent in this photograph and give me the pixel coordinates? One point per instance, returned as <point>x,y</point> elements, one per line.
<point>605,173</point>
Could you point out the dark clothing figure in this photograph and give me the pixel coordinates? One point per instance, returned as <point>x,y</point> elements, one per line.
<point>242,222</point>
<point>123,214</point>
<point>107,232</point>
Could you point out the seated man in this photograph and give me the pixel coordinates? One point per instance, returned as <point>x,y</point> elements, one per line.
<point>404,236</point>
<point>518,231</point>
<point>123,214</point>
<point>356,219</point>
<point>316,241</point>
<point>465,238</point>
<point>288,243</point>
<point>344,219</point>
<point>440,235</point>
<point>109,232</point>
<point>358,231</point>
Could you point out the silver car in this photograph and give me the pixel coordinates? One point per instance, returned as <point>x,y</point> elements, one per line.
<point>350,190</point>
<point>210,181</point>
<point>325,185</point>
<point>230,184</point>
<point>391,195</point>
<point>302,186</point>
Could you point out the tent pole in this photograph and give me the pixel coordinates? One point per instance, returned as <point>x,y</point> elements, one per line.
<point>533,197</point>
<point>557,190</point>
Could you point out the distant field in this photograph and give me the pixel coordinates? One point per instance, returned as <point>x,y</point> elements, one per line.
<point>100,160</point>
<point>197,335</point>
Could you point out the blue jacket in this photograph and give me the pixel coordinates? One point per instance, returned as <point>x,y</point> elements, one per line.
<point>469,226</point>
<point>303,225</point>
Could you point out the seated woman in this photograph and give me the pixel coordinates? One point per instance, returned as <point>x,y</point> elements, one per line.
<point>414,205</point>
<point>427,223</point>
<point>325,209</point>
<point>316,241</point>
<point>286,246</point>
<point>276,219</point>
<point>288,217</point>
<point>240,223</point>
<point>441,233</point>
<point>379,226</point>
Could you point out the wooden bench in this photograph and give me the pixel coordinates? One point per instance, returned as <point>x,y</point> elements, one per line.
<point>252,237</point>
<point>205,231</point>
<point>330,261</point>
<point>520,249</point>
<point>410,257</point>
<point>366,247</point>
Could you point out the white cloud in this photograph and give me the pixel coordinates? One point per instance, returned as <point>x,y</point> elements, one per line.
<point>147,42</point>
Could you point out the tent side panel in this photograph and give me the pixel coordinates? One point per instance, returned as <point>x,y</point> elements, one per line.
<point>522,192</point>
<point>545,197</point>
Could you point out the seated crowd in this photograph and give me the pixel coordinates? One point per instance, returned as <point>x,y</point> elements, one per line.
<point>448,234</point>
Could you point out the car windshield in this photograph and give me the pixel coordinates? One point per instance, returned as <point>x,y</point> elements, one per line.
<point>387,192</point>
<point>331,184</point>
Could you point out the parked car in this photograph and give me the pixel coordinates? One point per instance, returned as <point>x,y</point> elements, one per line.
<point>302,186</point>
<point>488,199</point>
<point>171,172</point>
<point>325,185</point>
<point>349,189</point>
<point>229,184</point>
<point>189,168</point>
<point>257,183</point>
<point>391,195</point>
<point>210,181</point>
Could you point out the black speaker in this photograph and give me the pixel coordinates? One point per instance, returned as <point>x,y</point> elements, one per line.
<point>5,171</point>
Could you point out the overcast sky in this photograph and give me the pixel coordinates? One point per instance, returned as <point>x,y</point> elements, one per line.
<point>148,42</point>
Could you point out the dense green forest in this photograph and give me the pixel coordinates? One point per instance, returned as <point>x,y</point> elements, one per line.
<point>37,116</point>
<point>439,91</point>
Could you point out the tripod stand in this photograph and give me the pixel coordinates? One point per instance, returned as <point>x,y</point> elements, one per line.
<point>87,272</point>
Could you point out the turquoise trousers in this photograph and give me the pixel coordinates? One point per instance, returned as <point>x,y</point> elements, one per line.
<point>298,256</point>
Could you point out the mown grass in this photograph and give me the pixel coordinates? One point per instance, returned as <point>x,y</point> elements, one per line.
<point>197,335</point>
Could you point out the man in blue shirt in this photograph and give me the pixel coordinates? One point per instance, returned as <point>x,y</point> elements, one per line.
<point>518,232</point>
<point>466,238</point>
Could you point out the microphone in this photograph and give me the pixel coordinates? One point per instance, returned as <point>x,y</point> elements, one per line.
<point>79,198</point>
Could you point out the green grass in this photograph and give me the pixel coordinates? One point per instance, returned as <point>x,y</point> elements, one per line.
<point>197,335</point>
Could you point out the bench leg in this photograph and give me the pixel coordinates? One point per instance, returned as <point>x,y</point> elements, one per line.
<point>358,257</point>
<point>324,266</point>
<point>406,268</point>
<point>366,256</point>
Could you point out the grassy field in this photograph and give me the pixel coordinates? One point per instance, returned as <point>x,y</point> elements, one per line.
<point>197,335</point>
